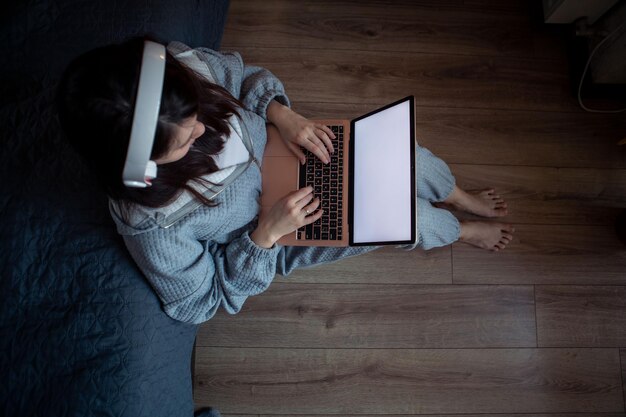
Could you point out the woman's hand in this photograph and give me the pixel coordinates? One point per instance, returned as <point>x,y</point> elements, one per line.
<point>293,211</point>
<point>298,131</point>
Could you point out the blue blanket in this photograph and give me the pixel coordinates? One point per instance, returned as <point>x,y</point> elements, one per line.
<point>81,331</point>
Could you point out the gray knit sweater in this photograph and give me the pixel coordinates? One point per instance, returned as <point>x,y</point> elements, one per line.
<point>206,259</point>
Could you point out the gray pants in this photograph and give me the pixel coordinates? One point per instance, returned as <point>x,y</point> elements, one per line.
<point>435,227</point>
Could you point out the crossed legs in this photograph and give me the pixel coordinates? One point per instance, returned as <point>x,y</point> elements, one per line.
<point>486,235</point>
<point>436,188</point>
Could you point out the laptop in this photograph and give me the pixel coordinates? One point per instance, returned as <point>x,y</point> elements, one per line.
<point>367,192</point>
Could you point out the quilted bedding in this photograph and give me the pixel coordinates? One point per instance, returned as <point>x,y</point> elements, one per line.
<point>81,332</point>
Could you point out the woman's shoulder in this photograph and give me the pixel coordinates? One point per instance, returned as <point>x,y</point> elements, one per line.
<point>217,67</point>
<point>133,219</point>
<point>179,49</point>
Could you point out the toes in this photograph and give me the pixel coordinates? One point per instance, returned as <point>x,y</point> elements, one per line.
<point>488,193</point>
<point>500,210</point>
<point>505,239</point>
<point>497,247</point>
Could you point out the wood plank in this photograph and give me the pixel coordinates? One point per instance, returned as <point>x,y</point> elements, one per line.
<point>591,316</point>
<point>576,139</point>
<point>507,6</point>
<point>378,316</point>
<point>541,195</point>
<point>434,79</point>
<point>434,27</point>
<point>504,137</point>
<point>623,360</point>
<point>231,415</point>
<point>409,381</point>
<point>457,415</point>
<point>239,415</point>
<point>546,254</point>
<point>388,265</point>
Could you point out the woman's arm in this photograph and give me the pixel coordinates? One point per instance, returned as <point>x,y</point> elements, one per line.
<point>297,131</point>
<point>194,278</point>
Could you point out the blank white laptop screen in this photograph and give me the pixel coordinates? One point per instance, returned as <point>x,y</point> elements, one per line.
<point>382,176</point>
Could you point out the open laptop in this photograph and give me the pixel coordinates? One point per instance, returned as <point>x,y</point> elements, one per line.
<point>367,192</point>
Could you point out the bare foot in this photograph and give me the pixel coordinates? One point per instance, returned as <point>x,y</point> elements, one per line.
<point>485,203</point>
<point>486,235</point>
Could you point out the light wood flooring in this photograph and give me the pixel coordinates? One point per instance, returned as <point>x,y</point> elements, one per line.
<point>537,329</point>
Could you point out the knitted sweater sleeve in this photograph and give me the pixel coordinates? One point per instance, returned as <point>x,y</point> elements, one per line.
<point>193,278</point>
<point>295,257</point>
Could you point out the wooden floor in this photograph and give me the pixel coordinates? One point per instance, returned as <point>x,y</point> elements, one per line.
<point>539,328</point>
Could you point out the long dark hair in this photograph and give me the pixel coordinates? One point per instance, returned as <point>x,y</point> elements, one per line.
<point>96,99</point>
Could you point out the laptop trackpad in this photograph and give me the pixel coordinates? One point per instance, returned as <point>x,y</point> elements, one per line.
<point>280,177</point>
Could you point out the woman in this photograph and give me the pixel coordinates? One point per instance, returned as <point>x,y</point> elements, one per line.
<point>195,232</point>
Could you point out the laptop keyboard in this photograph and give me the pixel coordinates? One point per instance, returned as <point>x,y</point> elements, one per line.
<point>327,183</point>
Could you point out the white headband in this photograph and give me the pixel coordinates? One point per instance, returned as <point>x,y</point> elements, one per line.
<point>139,170</point>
